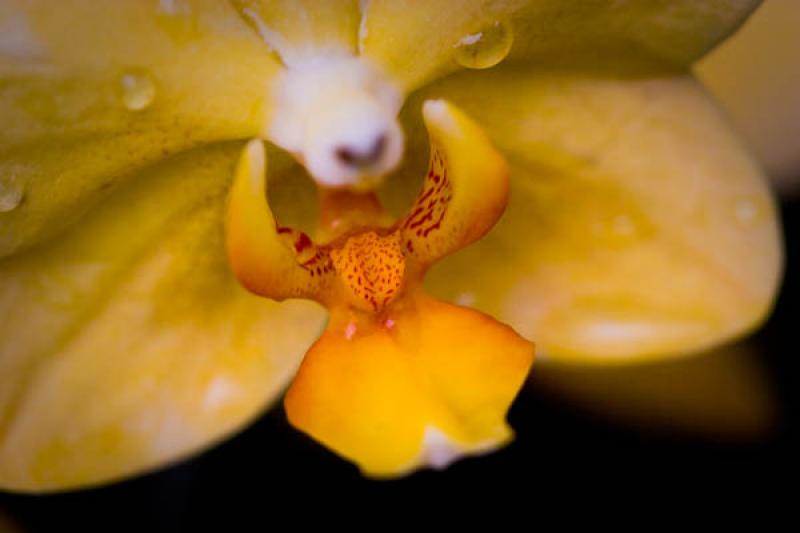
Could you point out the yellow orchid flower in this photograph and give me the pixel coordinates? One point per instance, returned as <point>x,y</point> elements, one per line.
<point>138,282</point>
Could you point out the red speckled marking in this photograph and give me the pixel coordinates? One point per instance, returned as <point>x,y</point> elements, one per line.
<point>430,207</point>
<point>314,259</point>
<point>372,267</point>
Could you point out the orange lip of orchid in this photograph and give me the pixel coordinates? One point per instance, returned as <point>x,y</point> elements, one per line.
<point>398,380</point>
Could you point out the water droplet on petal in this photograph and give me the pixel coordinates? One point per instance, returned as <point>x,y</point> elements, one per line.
<point>623,225</point>
<point>467,299</point>
<point>350,330</point>
<point>40,104</point>
<point>485,48</point>
<point>138,89</point>
<point>11,195</point>
<point>746,211</point>
<point>620,228</point>
<point>178,20</point>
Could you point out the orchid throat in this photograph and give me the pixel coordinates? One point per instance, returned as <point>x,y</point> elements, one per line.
<point>368,274</point>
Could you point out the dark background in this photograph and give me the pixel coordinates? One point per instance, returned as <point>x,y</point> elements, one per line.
<point>270,471</point>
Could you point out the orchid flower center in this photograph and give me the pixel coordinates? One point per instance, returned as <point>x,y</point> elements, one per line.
<point>338,116</point>
<point>370,382</point>
<point>366,264</point>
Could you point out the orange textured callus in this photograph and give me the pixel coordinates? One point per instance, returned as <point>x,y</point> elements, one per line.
<point>398,380</point>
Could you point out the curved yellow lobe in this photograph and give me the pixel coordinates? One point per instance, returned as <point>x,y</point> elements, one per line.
<point>465,190</point>
<point>267,259</point>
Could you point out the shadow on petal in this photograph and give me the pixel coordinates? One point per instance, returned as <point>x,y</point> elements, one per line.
<point>723,395</point>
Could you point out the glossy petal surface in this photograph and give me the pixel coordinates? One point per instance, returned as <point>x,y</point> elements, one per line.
<point>638,227</point>
<point>416,41</point>
<point>127,343</point>
<point>84,103</point>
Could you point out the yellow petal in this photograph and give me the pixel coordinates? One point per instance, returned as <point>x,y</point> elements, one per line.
<point>127,343</point>
<point>299,28</point>
<point>430,386</point>
<point>721,395</point>
<point>756,76</point>
<point>418,41</point>
<point>92,91</point>
<point>638,228</point>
